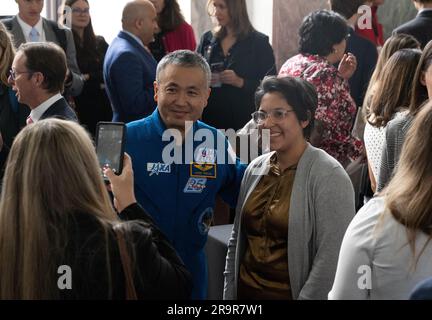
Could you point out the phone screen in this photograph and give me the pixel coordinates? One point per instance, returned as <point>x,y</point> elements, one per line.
<point>110,144</point>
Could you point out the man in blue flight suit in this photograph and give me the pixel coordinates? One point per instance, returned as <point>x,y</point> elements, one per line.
<point>177,172</point>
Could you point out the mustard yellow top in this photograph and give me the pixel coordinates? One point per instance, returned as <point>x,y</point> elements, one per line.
<point>264,269</point>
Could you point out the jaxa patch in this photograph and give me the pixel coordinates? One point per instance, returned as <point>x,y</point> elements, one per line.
<point>157,168</point>
<point>203,170</point>
<point>205,155</point>
<point>195,185</point>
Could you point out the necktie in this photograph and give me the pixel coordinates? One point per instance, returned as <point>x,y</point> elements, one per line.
<point>34,35</point>
<point>29,120</point>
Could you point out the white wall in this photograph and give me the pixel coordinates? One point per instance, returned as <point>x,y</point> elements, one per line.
<point>261,15</point>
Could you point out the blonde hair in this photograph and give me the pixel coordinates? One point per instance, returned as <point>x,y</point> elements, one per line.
<point>408,195</point>
<point>52,174</point>
<point>7,54</point>
<point>240,22</point>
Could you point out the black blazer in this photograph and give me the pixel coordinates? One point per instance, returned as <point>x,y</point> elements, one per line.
<point>60,109</point>
<point>367,56</point>
<point>12,119</point>
<point>420,27</point>
<point>252,59</point>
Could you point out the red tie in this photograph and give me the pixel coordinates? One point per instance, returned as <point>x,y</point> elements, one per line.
<point>29,120</point>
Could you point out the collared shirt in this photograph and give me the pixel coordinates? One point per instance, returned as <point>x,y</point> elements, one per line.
<point>26,29</point>
<point>136,39</point>
<point>37,112</point>
<point>425,9</point>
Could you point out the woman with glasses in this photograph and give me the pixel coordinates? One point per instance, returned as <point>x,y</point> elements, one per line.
<point>175,33</point>
<point>294,204</point>
<point>322,44</point>
<point>92,105</point>
<point>12,114</point>
<point>239,57</point>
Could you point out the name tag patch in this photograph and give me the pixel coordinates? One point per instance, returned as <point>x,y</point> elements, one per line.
<point>195,185</point>
<point>157,168</point>
<point>203,170</point>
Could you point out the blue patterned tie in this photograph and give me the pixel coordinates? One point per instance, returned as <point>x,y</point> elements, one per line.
<point>34,35</point>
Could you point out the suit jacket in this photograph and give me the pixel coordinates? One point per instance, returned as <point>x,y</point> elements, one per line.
<point>129,72</point>
<point>77,82</point>
<point>12,118</point>
<point>420,27</point>
<point>60,109</point>
<point>367,55</point>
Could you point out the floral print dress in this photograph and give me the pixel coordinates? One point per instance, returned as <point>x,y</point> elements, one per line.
<point>336,108</point>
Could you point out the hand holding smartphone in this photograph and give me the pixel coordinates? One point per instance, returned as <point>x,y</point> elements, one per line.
<point>110,142</point>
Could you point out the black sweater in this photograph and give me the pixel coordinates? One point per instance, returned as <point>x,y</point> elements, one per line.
<point>250,58</point>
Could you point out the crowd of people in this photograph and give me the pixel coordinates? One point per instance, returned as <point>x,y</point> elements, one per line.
<point>348,98</point>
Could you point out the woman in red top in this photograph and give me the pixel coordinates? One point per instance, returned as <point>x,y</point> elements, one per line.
<point>175,33</point>
<point>323,36</point>
<point>376,33</point>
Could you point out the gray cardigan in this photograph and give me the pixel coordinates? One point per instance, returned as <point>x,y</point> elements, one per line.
<point>392,148</point>
<point>322,206</point>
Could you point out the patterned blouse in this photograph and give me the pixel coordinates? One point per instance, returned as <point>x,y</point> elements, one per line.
<point>336,108</point>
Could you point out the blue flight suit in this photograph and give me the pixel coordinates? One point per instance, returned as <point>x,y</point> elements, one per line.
<point>179,196</point>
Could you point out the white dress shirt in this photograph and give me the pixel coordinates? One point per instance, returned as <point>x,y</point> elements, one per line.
<point>37,112</point>
<point>27,29</point>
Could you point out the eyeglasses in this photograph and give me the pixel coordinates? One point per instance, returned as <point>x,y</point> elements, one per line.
<point>277,115</point>
<point>13,74</point>
<point>83,11</point>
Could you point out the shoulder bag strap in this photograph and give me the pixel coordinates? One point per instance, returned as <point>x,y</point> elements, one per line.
<point>126,263</point>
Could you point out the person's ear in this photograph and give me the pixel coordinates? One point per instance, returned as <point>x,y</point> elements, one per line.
<point>207,96</point>
<point>39,78</point>
<point>423,78</point>
<point>306,122</point>
<point>156,90</point>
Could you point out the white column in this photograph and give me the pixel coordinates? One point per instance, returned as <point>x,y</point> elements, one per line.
<point>261,15</point>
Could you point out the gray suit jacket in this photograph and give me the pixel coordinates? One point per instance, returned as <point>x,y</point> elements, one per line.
<point>322,206</point>
<point>77,81</point>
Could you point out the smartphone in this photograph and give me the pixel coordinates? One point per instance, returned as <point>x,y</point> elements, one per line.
<point>110,142</point>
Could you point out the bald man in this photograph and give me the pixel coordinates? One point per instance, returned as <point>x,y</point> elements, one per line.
<point>129,67</point>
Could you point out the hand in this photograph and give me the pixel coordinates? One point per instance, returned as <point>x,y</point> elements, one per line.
<point>122,186</point>
<point>231,78</point>
<point>347,66</point>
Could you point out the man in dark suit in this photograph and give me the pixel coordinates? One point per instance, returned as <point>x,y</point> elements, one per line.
<point>129,67</point>
<point>37,76</point>
<point>421,26</point>
<point>363,49</point>
<point>29,26</point>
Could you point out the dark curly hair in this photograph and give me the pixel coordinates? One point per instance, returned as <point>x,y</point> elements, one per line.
<point>298,93</point>
<point>320,30</point>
